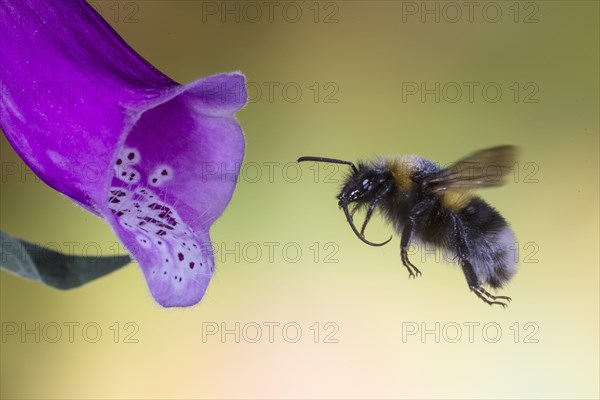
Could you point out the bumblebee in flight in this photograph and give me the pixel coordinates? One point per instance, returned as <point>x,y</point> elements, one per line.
<point>431,205</point>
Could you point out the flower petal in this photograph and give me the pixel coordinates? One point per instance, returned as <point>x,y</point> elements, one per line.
<point>165,199</point>
<point>98,123</point>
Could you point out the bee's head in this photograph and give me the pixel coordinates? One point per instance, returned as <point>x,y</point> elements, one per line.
<point>362,185</point>
<point>365,184</point>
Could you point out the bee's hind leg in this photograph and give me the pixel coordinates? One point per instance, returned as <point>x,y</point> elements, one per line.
<point>484,295</point>
<point>476,288</point>
<point>406,235</point>
<point>472,279</point>
<point>491,296</point>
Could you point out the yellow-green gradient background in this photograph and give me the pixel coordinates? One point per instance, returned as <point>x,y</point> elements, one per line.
<point>367,54</point>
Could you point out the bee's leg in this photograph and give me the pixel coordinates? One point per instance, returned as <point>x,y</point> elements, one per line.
<point>404,241</point>
<point>491,296</point>
<point>462,250</point>
<point>368,217</point>
<point>353,211</point>
<point>477,289</point>
<point>373,204</point>
<point>419,211</point>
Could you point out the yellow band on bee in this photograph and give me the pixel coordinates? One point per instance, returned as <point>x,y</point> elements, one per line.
<point>402,168</point>
<point>456,200</point>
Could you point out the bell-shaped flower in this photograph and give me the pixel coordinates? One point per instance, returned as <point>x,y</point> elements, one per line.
<point>157,160</point>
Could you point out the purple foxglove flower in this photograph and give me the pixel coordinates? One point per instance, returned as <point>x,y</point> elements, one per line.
<point>94,120</point>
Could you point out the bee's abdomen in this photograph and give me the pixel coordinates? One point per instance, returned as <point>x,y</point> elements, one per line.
<point>491,243</point>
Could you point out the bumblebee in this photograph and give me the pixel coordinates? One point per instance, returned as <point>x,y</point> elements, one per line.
<point>435,206</point>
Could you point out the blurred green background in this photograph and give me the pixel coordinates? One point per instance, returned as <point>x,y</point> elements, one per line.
<point>341,74</point>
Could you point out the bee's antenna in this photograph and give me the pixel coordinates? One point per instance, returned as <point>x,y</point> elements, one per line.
<point>328,160</point>
<point>360,236</point>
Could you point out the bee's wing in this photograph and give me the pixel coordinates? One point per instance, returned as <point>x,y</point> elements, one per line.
<point>485,168</point>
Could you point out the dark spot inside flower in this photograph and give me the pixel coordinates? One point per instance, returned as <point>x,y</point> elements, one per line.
<point>166,259</point>
<point>161,232</point>
<point>142,223</point>
<point>175,277</point>
<point>120,213</point>
<point>164,172</point>
<point>153,271</point>
<point>165,212</point>
<point>119,161</point>
<point>130,156</point>
<point>156,206</point>
<point>159,242</point>
<point>157,222</point>
<point>164,273</point>
<point>180,279</point>
<point>123,173</point>
<point>192,265</point>
<point>180,255</point>
<point>154,180</point>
